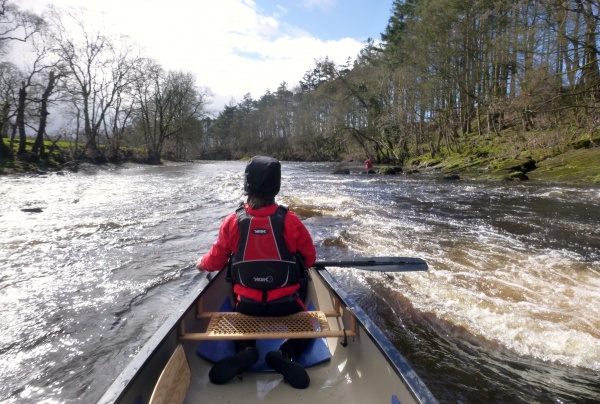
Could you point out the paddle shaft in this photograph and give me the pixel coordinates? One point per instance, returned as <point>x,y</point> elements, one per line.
<point>381,264</point>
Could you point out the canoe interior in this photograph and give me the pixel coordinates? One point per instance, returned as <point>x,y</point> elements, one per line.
<point>368,369</point>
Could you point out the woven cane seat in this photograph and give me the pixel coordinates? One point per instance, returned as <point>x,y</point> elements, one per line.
<point>232,324</point>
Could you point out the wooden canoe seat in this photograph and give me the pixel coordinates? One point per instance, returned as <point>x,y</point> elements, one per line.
<point>233,325</point>
<point>174,381</point>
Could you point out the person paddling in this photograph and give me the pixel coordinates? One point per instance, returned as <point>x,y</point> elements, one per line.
<point>368,163</point>
<point>269,248</point>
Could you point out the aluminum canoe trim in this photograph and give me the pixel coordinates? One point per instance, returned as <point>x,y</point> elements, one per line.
<point>403,369</point>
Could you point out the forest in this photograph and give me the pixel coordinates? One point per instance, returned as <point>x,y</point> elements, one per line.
<point>446,77</point>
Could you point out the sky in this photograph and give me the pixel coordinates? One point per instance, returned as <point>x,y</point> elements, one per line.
<point>236,47</point>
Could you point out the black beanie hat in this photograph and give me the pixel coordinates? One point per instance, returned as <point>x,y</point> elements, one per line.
<point>262,177</point>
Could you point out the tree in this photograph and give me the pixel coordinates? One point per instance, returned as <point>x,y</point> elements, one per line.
<point>21,117</point>
<point>41,68</point>
<point>168,104</point>
<point>247,123</point>
<point>16,25</point>
<point>38,145</point>
<point>394,35</point>
<point>98,70</point>
<point>444,70</point>
<point>10,79</point>
<point>226,131</point>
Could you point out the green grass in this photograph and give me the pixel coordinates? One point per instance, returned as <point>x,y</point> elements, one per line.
<point>575,166</point>
<point>558,156</point>
<point>30,162</point>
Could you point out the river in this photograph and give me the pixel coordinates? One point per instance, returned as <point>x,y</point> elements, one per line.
<point>92,262</point>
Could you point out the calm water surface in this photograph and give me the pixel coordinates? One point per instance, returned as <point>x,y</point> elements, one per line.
<point>508,312</point>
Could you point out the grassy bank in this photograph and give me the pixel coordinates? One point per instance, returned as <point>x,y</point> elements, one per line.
<point>512,156</point>
<point>53,160</point>
<point>59,156</point>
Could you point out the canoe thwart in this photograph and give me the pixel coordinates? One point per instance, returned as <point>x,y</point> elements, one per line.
<point>234,325</point>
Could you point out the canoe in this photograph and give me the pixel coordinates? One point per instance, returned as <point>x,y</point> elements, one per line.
<point>349,359</point>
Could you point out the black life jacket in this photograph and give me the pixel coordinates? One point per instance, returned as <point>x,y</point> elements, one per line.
<point>262,260</point>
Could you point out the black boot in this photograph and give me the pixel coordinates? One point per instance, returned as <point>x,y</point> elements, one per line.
<point>292,372</point>
<point>226,369</point>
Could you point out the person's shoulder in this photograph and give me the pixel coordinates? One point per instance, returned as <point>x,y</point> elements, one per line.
<point>292,216</point>
<point>231,217</point>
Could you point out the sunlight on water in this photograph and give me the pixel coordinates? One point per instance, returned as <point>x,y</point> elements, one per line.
<point>90,273</point>
<point>539,303</point>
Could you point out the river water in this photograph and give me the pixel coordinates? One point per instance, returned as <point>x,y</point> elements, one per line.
<point>508,312</point>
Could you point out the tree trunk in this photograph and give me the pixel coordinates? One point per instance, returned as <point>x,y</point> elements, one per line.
<point>38,145</point>
<point>21,119</point>
<point>13,133</point>
<point>5,151</point>
<point>154,155</point>
<point>591,72</point>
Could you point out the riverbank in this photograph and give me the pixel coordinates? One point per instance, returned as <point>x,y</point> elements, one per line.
<point>519,157</point>
<point>59,157</point>
<point>578,163</point>
<point>580,166</point>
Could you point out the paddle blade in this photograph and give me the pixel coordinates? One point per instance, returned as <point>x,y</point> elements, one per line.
<point>381,264</point>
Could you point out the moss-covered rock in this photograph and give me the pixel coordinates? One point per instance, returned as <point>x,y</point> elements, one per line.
<point>586,143</point>
<point>516,175</point>
<point>577,166</point>
<point>389,170</point>
<point>425,162</point>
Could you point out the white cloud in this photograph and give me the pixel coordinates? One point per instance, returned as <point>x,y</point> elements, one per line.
<point>320,4</point>
<point>230,46</point>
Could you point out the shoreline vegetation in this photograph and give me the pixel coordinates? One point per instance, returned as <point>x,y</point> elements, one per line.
<point>447,90</point>
<point>497,159</point>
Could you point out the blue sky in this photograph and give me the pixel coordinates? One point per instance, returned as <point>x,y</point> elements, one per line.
<point>236,47</point>
<point>334,19</point>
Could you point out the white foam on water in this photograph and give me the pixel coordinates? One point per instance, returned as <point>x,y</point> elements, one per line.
<point>543,306</point>
<point>486,276</point>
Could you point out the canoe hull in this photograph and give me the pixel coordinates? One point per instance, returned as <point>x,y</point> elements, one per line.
<point>368,369</point>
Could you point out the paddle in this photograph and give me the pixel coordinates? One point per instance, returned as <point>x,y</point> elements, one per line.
<point>383,264</point>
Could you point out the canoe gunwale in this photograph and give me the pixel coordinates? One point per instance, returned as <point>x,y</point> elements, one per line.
<point>158,349</point>
<point>141,360</point>
<point>395,359</point>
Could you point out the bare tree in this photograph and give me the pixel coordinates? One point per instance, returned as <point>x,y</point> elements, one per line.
<point>118,116</point>
<point>16,25</point>
<point>10,79</point>
<point>34,93</point>
<point>168,104</point>
<point>38,145</point>
<point>98,70</point>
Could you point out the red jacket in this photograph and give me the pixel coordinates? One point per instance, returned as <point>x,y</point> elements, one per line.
<point>297,239</point>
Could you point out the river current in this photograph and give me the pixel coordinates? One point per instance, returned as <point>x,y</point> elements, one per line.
<point>91,264</point>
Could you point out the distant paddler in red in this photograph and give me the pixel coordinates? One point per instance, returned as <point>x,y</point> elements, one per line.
<point>368,163</point>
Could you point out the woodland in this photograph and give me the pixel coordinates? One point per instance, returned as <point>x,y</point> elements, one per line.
<point>498,84</point>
